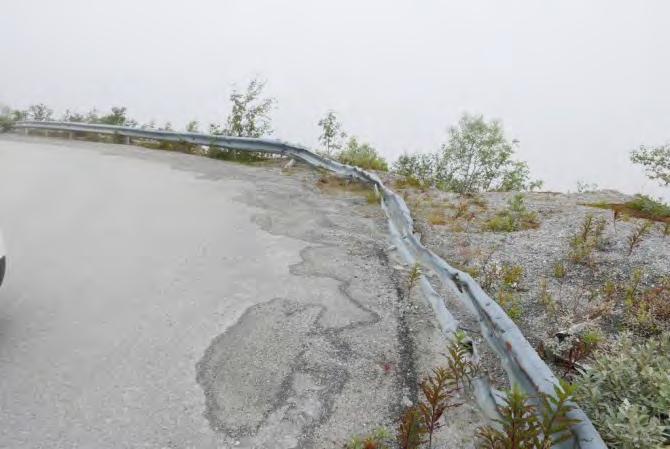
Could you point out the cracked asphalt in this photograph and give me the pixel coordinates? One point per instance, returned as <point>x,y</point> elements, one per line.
<point>162,300</point>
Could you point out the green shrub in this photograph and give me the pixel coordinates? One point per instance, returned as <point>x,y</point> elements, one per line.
<point>626,393</point>
<point>244,157</point>
<point>362,155</point>
<point>477,157</point>
<point>653,208</point>
<point>515,218</point>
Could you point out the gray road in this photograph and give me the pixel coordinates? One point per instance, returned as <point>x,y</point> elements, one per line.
<point>162,300</point>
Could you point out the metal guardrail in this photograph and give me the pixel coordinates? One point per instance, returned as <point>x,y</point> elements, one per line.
<point>522,364</point>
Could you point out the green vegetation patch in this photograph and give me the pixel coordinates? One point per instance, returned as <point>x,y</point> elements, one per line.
<point>626,393</point>
<point>362,155</point>
<point>641,206</point>
<point>515,218</point>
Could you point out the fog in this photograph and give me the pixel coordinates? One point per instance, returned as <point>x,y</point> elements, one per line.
<point>579,83</point>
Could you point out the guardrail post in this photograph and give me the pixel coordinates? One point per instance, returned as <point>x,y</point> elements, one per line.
<point>126,140</point>
<point>70,135</point>
<point>46,133</point>
<point>25,131</point>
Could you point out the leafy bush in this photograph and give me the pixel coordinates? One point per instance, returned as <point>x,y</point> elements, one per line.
<point>626,393</point>
<point>655,160</point>
<point>515,218</point>
<point>419,170</point>
<point>477,157</point>
<point>362,155</point>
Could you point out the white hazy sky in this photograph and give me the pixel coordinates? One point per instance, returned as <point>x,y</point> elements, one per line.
<point>579,83</point>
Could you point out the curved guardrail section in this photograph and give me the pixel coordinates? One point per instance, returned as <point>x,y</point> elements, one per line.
<point>522,364</point>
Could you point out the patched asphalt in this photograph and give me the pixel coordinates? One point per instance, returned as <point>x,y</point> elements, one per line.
<point>164,300</point>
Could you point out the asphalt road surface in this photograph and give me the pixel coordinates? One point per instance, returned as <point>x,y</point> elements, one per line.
<point>162,300</point>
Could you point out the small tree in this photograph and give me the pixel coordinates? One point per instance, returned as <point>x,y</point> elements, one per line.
<point>6,119</point>
<point>478,157</point>
<point>331,135</point>
<point>192,126</point>
<point>74,117</point>
<point>92,116</point>
<point>40,112</point>
<point>116,117</point>
<point>250,115</point>
<point>655,160</point>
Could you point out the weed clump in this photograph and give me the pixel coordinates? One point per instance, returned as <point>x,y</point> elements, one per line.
<point>647,313</point>
<point>588,237</point>
<point>559,270</point>
<point>504,280</point>
<point>436,217</point>
<point>378,439</point>
<point>639,233</point>
<point>547,300</point>
<point>515,218</point>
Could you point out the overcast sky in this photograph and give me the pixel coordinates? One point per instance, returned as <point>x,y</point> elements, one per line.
<point>579,83</point>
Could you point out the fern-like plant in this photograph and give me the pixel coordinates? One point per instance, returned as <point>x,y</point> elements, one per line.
<point>523,426</point>
<point>411,430</point>
<point>639,233</point>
